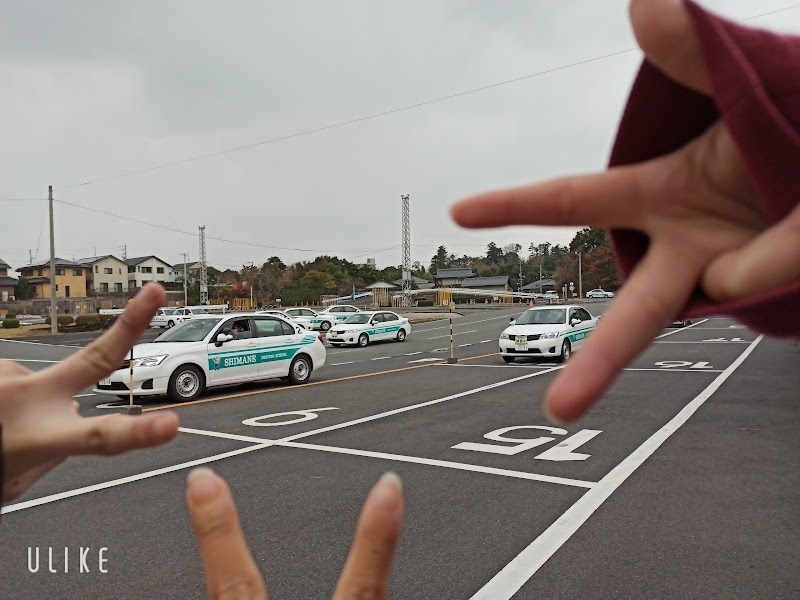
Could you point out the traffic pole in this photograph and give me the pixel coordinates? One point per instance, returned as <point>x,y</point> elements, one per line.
<point>133,409</point>
<point>452,360</point>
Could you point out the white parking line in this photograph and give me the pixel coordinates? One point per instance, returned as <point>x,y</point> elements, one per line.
<point>39,344</point>
<point>419,360</point>
<point>396,457</point>
<point>513,576</point>
<point>123,480</point>
<point>33,360</point>
<point>380,358</point>
<point>84,395</point>
<point>436,337</point>
<point>344,363</point>
<point>461,324</point>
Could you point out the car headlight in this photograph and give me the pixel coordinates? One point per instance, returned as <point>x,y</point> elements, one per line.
<point>549,335</point>
<point>149,361</point>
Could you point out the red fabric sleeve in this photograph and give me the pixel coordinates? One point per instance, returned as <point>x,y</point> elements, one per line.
<point>755,78</point>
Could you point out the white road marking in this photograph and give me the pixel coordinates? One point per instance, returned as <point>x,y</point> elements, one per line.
<point>417,329</point>
<point>33,360</point>
<point>396,457</point>
<point>83,395</point>
<point>678,370</point>
<point>436,337</point>
<point>39,344</point>
<point>695,324</point>
<point>704,342</point>
<point>463,345</point>
<point>534,366</point>
<point>381,358</point>
<point>412,353</point>
<point>344,363</point>
<point>513,576</point>
<point>485,341</point>
<point>419,360</point>
<point>115,482</point>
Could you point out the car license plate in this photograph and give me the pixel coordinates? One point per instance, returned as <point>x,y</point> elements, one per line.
<point>106,381</point>
<point>521,343</point>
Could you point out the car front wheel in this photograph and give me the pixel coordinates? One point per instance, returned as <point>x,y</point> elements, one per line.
<point>186,383</point>
<point>325,326</point>
<point>401,335</point>
<point>363,340</point>
<point>170,324</point>
<point>300,370</point>
<point>566,350</point>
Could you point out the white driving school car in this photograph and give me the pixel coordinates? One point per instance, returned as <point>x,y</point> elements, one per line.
<point>327,318</point>
<point>165,317</point>
<point>546,332</point>
<point>366,327</point>
<point>211,350</point>
<point>304,322</point>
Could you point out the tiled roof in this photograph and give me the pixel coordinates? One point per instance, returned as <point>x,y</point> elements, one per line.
<point>446,273</point>
<point>479,282</point>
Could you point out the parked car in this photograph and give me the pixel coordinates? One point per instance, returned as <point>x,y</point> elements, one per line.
<point>599,293</point>
<point>304,322</point>
<point>327,318</point>
<point>165,317</point>
<point>365,327</point>
<point>546,332</point>
<point>212,350</point>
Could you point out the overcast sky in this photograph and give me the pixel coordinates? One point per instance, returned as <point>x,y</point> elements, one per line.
<point>96,89</point>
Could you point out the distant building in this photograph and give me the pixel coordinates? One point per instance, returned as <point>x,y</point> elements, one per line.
<point>371,263</point>
<point>106,274</point>
<point>540,286</point>
<point>495,284</point>
<point>70,278</point>
<point>7,283</point>
<point>144,269</point>
<point>417,282</point>
<point>176,272</point>
<point>452,277</point>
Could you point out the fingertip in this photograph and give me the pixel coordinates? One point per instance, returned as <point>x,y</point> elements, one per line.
<point>152,294</point>
<point>203,486</point>
<point>386,497</point>
<point>164,427</point>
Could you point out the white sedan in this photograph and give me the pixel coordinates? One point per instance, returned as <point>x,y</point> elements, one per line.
<point>211,350</point>
<point>599,293</point>
<point>546,332</point>
<point>304,322</point>
<point>366,327</point>
<point>327,318</point>
<point>165,317</point>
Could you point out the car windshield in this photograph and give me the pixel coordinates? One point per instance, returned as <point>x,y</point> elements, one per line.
<point>189,331</point>
<point>199,311</point>
<point>358,319</point>
<point>168,311</point>
<point>543,316</point>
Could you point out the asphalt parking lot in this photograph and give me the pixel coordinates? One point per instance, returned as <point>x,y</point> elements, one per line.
<point>681,483</point>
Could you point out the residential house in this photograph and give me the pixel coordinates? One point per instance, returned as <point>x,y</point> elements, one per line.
<point>106,274</point>
<point>176,272</point>
<point>144,269</point>
<point>6,283</point>
<point>452,277</point>
<point>70,278</point>
<point>495,284</point>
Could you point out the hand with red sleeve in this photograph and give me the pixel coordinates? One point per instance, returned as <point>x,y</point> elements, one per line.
<point>704,236</point>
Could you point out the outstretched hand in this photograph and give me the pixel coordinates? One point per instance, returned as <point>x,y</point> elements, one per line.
<point>41,425</point>
<point>231,571</point>
<point>697,206</point>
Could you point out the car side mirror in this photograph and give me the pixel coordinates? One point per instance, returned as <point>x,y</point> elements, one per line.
<point>512,321</point>
<point>222,338</point>
<point>299,330</point>
<point>574,321</point>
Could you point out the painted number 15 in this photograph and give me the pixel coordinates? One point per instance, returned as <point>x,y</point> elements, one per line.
<point>564,450</point>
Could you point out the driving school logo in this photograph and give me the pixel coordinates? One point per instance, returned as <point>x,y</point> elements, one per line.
<point>217,360</point>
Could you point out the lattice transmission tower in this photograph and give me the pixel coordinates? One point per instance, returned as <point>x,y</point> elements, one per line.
<point>203,267</point>
<point>406,251</point>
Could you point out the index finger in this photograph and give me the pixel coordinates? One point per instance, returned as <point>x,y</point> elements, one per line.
<point>104,355</point>
<point>609,199</point>
<point>646,303</point>
<point>369,566</point>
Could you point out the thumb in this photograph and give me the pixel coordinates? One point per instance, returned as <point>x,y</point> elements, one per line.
<point>665,32</point>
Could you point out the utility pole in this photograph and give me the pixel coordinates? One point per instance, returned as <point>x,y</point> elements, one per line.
<point>406,251</point>
<point>203,267</point>
<point>520,274</point>
<point>125,252</point>
<point>580,277</point>
<point>540,268</point>
<point>252,281</point>
<point>53,304</point>
<point>30,257</point>
<point>185,277</point>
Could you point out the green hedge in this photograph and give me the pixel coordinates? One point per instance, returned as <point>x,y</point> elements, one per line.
<point>11,316</point>
<point>87,320</point>
<point>10,323</point>
<point>62,320</point>
<point>425,303</point>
